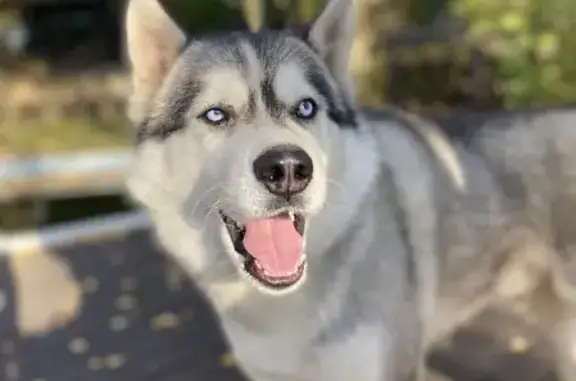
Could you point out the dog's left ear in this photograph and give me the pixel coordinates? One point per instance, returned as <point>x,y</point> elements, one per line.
<point>332,35</point>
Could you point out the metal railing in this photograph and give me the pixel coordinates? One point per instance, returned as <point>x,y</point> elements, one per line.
<point>63,175</point>
<point>72,233</point>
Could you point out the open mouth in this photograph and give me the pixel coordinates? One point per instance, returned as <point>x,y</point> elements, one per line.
<point>272,248</point>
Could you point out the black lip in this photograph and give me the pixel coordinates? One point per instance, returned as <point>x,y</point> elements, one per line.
<point>236,232</point>
<point>300,223</point>
<point>277,283</point>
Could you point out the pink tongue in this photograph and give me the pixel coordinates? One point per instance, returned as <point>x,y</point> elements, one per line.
<point>275,244</point>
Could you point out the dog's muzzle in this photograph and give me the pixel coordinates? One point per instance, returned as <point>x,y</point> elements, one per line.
<point>273,246</point>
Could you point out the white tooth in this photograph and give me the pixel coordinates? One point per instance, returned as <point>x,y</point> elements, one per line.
<point>292,216</point>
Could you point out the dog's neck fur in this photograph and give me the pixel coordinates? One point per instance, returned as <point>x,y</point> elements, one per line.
<point>339,209</point>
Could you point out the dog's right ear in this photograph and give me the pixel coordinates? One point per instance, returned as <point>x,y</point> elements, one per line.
<point>153,43</point>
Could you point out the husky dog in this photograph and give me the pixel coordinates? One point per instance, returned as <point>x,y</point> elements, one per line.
<point>336,245</point>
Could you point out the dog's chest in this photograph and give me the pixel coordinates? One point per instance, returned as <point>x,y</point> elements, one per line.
<point>361,356</point>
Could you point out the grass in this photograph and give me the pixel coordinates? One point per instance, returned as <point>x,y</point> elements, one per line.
<point>70,135</point>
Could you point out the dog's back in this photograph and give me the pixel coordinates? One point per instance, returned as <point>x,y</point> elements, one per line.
<point>511,228</point>
<point>524,161</point>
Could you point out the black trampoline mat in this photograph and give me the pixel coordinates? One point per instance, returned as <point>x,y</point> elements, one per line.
<point>136,323</point>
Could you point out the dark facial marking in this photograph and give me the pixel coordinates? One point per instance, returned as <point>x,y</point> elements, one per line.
<point>187,86</point>
<point>251,108</point>
<point>173,117</point>
<point>274,107</point>
<point>338,110</point>
<point>266,44</point>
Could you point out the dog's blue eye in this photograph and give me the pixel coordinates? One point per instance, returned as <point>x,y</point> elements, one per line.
<point>307,109</point>
<point>215,115</point>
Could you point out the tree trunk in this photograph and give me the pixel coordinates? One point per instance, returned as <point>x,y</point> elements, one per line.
<point>367,62</point>
<point>254,13</point>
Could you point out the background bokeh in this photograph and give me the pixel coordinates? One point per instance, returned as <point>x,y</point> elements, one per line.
<point>62,83</point>
<point>85,295</point>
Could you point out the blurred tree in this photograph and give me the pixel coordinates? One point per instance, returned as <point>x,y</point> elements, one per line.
<point>206,15</point>
<point>308,9</point>
<point>531,41</point>
<point>254,13</point>
<point>375,21</point>
<point>528,44</point>
<point>304,11</point>
<point>425,12</point>
<point>71,34</point>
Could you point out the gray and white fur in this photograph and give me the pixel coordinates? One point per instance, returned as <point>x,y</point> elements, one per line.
<point>409,232</point>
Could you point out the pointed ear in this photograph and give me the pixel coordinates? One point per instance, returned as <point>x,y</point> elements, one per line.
<point>332,35</point>
<point>153,43</point>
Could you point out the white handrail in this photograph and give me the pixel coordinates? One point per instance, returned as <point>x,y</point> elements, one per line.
<point>70,233</point>
<point>63,174</point>
<point>30,167</point>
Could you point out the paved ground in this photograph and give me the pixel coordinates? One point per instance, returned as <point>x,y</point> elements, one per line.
<point>121,315</point>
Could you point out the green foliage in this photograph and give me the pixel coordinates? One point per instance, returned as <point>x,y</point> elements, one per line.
<point>532,43</point>
<point>210,15</point>
<point>424,12</point>
<point>307,10</point>
<point>205,15</point>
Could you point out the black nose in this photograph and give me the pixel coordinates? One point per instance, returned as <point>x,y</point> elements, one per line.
<point>284,170</point>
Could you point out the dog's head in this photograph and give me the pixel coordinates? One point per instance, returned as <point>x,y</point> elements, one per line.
<point>237,135</point>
